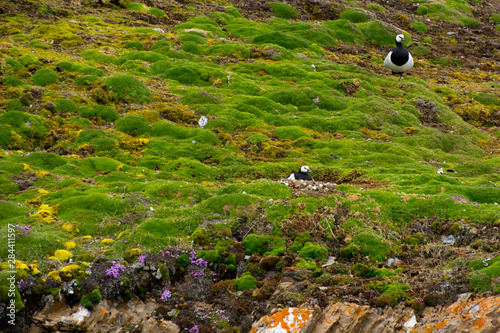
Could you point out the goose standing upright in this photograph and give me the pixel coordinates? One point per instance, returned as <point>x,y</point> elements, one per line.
<point>398,59</point>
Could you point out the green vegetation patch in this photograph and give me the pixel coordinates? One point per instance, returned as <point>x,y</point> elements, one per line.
<point>282,10</point>
<point>128,88</point>
<point>372,246</point>
<point>44,76</point>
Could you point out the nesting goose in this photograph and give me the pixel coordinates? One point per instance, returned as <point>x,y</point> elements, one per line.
<point>302,174</point>
<point>398,59</point>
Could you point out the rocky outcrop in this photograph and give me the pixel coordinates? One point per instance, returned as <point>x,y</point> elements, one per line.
<point>58,316</point>
<point>467,314</point>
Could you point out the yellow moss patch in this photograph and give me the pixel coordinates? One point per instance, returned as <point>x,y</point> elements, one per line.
<point>69,245</point>
<point>70,227</point>
<point>121,233</point>
<point>87,237</point>
<point>41,173</point>
<point>106,242</point>
<point>22,266</point>
<point>41,191</point>
<point>120,167</point>
<point>374,135</point>
<point>35,202</point>
<point>35,271</point>
<point>74,156</point>
<point>25,166</point>
<point>54,275</point>
<point>46,213</point>
<point>63,255</point>
<point>70,270</point>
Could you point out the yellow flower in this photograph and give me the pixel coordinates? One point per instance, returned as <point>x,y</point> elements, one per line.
<point>63,255</point>
<point>54,275</point>
<point>106,242</point>
<point>69,245</point>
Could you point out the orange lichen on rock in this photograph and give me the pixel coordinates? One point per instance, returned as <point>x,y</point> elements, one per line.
<point>288,320</point>
<point>470,313</point>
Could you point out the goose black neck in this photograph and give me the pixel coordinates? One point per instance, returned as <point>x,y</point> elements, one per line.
<point>399,45</point>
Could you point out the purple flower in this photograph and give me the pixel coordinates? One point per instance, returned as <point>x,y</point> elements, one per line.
<point>141,258</point>
<point>166,295</point>
<point>115,269</point>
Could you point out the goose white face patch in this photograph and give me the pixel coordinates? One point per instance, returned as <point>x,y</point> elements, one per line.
<point>305,169</point>
<point>400,38</point>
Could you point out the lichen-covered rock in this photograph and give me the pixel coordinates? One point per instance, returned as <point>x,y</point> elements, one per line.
<point>289,320</point>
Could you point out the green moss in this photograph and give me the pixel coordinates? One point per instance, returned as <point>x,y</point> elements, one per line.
<point>156,12</point>
<point>14,105</point>
<point>260,188</point>
<point>135,6</point>
<point>291,133</point>
<point>392,293</point>
<point>65,105</point>
<point>344,30</point>
<point>70,66</point>
<point>256,243</point>
<point>493,270</point>
<point>201,237</point>
<point>419,26</point>
<point>192,47</point>
<point>350,251</point>
<point>277,247</point>
<point>101,111</point>
<point>363,270</point>
<point>86,80</point>
<point>86,303</point>
<point>183,260</point>
<point>371,246</point>
<point>356,15</point>
<point>245,282</point>
<point>414,239</point>
<point>44,76</point>
<point>135,125</point>
<point>93,71</point>
<point>313,251</point>
<point>14,82</point>
<point>13,65</point>
<point>299,241</point>
<point>379,32</point>
<point>285,40</point>
<point>208,255</point>
<point>282,10</point>
<point>91,298</point>
<point>95,296</point>
<point>134,44</point>
<point>168,129</point>
<point>257,138</point>
<point>131,255</point>
<point>480,282</point>
<point>99,140</point>
<point>192,37</point>
<point>310,265</point>
<point>128,88</point>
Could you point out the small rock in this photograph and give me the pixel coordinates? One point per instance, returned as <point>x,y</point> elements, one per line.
<point>158,30</point>
<point>329,262</point>
<point>297,274</point>
<point>203,121</point>
<point>302,56</point>
<point>393,261</point>
<point>448,239</point>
